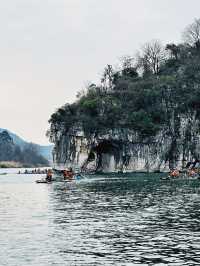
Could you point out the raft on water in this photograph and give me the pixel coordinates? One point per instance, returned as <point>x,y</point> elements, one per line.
<point>44,181</point>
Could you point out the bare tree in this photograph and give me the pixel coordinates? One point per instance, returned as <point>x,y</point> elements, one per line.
<point>191,34</point>
<point>151,57</point>
<point>126,61</point>
<point>107,78</point>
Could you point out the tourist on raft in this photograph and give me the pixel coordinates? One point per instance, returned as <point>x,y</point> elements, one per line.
<point>192,172</point>
<point>174,173</point>
<point>68,174</point>
<point>49,176</point>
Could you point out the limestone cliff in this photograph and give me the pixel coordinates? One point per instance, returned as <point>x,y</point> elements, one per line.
<point>123,149</point>
<point>134,121</point>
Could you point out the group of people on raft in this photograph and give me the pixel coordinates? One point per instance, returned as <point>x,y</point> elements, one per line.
<point>175,173</point>
<point>192,169</point>
<point>68,175</point>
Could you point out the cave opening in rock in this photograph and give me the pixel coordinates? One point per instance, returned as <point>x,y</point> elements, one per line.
<point>91,156</point>
<point>107,146</point>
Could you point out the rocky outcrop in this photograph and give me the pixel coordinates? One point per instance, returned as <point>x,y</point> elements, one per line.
<point>124,149</point>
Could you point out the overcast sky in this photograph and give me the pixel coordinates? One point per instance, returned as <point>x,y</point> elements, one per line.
<point>50,48</point>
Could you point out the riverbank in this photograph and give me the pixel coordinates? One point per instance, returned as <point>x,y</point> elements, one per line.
<point>12,164</point>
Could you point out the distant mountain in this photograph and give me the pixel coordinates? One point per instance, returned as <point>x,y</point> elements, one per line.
<point>16,139</point>
<point>7,147</point>
<point>13,155</point>
<point>44,150</point>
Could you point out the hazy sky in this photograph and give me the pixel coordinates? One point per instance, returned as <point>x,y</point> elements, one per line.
<point>50,48</point>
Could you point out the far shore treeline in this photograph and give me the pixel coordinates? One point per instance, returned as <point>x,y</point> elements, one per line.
<point>12,155</point>
<point>143,94</point>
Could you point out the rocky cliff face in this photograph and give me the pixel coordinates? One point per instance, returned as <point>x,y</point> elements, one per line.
<point>123,149</point>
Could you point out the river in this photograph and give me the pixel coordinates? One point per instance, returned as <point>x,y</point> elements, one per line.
<point>133,219</point>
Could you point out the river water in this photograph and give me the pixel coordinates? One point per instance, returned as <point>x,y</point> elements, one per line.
<point>134,219</point>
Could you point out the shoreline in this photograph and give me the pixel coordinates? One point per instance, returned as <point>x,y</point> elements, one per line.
<point>11,164</point>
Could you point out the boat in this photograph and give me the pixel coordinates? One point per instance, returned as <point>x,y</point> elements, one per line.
<point>44,181</point>
<point>76,177</point>
<point>181,177</point>
<point>69,181</point>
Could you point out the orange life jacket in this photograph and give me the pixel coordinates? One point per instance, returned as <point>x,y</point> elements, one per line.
<point>175,173</point>
<point>49,173</point>
<point>67,174</point>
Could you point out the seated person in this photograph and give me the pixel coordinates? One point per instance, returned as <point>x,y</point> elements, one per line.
<point>192,172</point>
<point>68,174</point>
<point>174,173</point>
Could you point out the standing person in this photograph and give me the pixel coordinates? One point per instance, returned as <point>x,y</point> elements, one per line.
<point>49,176</point>
<point>65,175</point>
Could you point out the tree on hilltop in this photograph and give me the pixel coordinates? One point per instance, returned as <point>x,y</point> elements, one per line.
<point>191,34</point>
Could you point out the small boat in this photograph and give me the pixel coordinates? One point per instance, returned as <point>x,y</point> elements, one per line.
<point>181,177</point>
<point>69,181</point>
<point>76,177</point>
<point>43,181</point>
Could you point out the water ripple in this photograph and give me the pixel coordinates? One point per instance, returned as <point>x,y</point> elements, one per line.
<point>105,220</point>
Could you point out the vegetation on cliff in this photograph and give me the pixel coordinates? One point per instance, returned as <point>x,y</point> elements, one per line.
<point>12,155</point>
<point>160,84</point>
